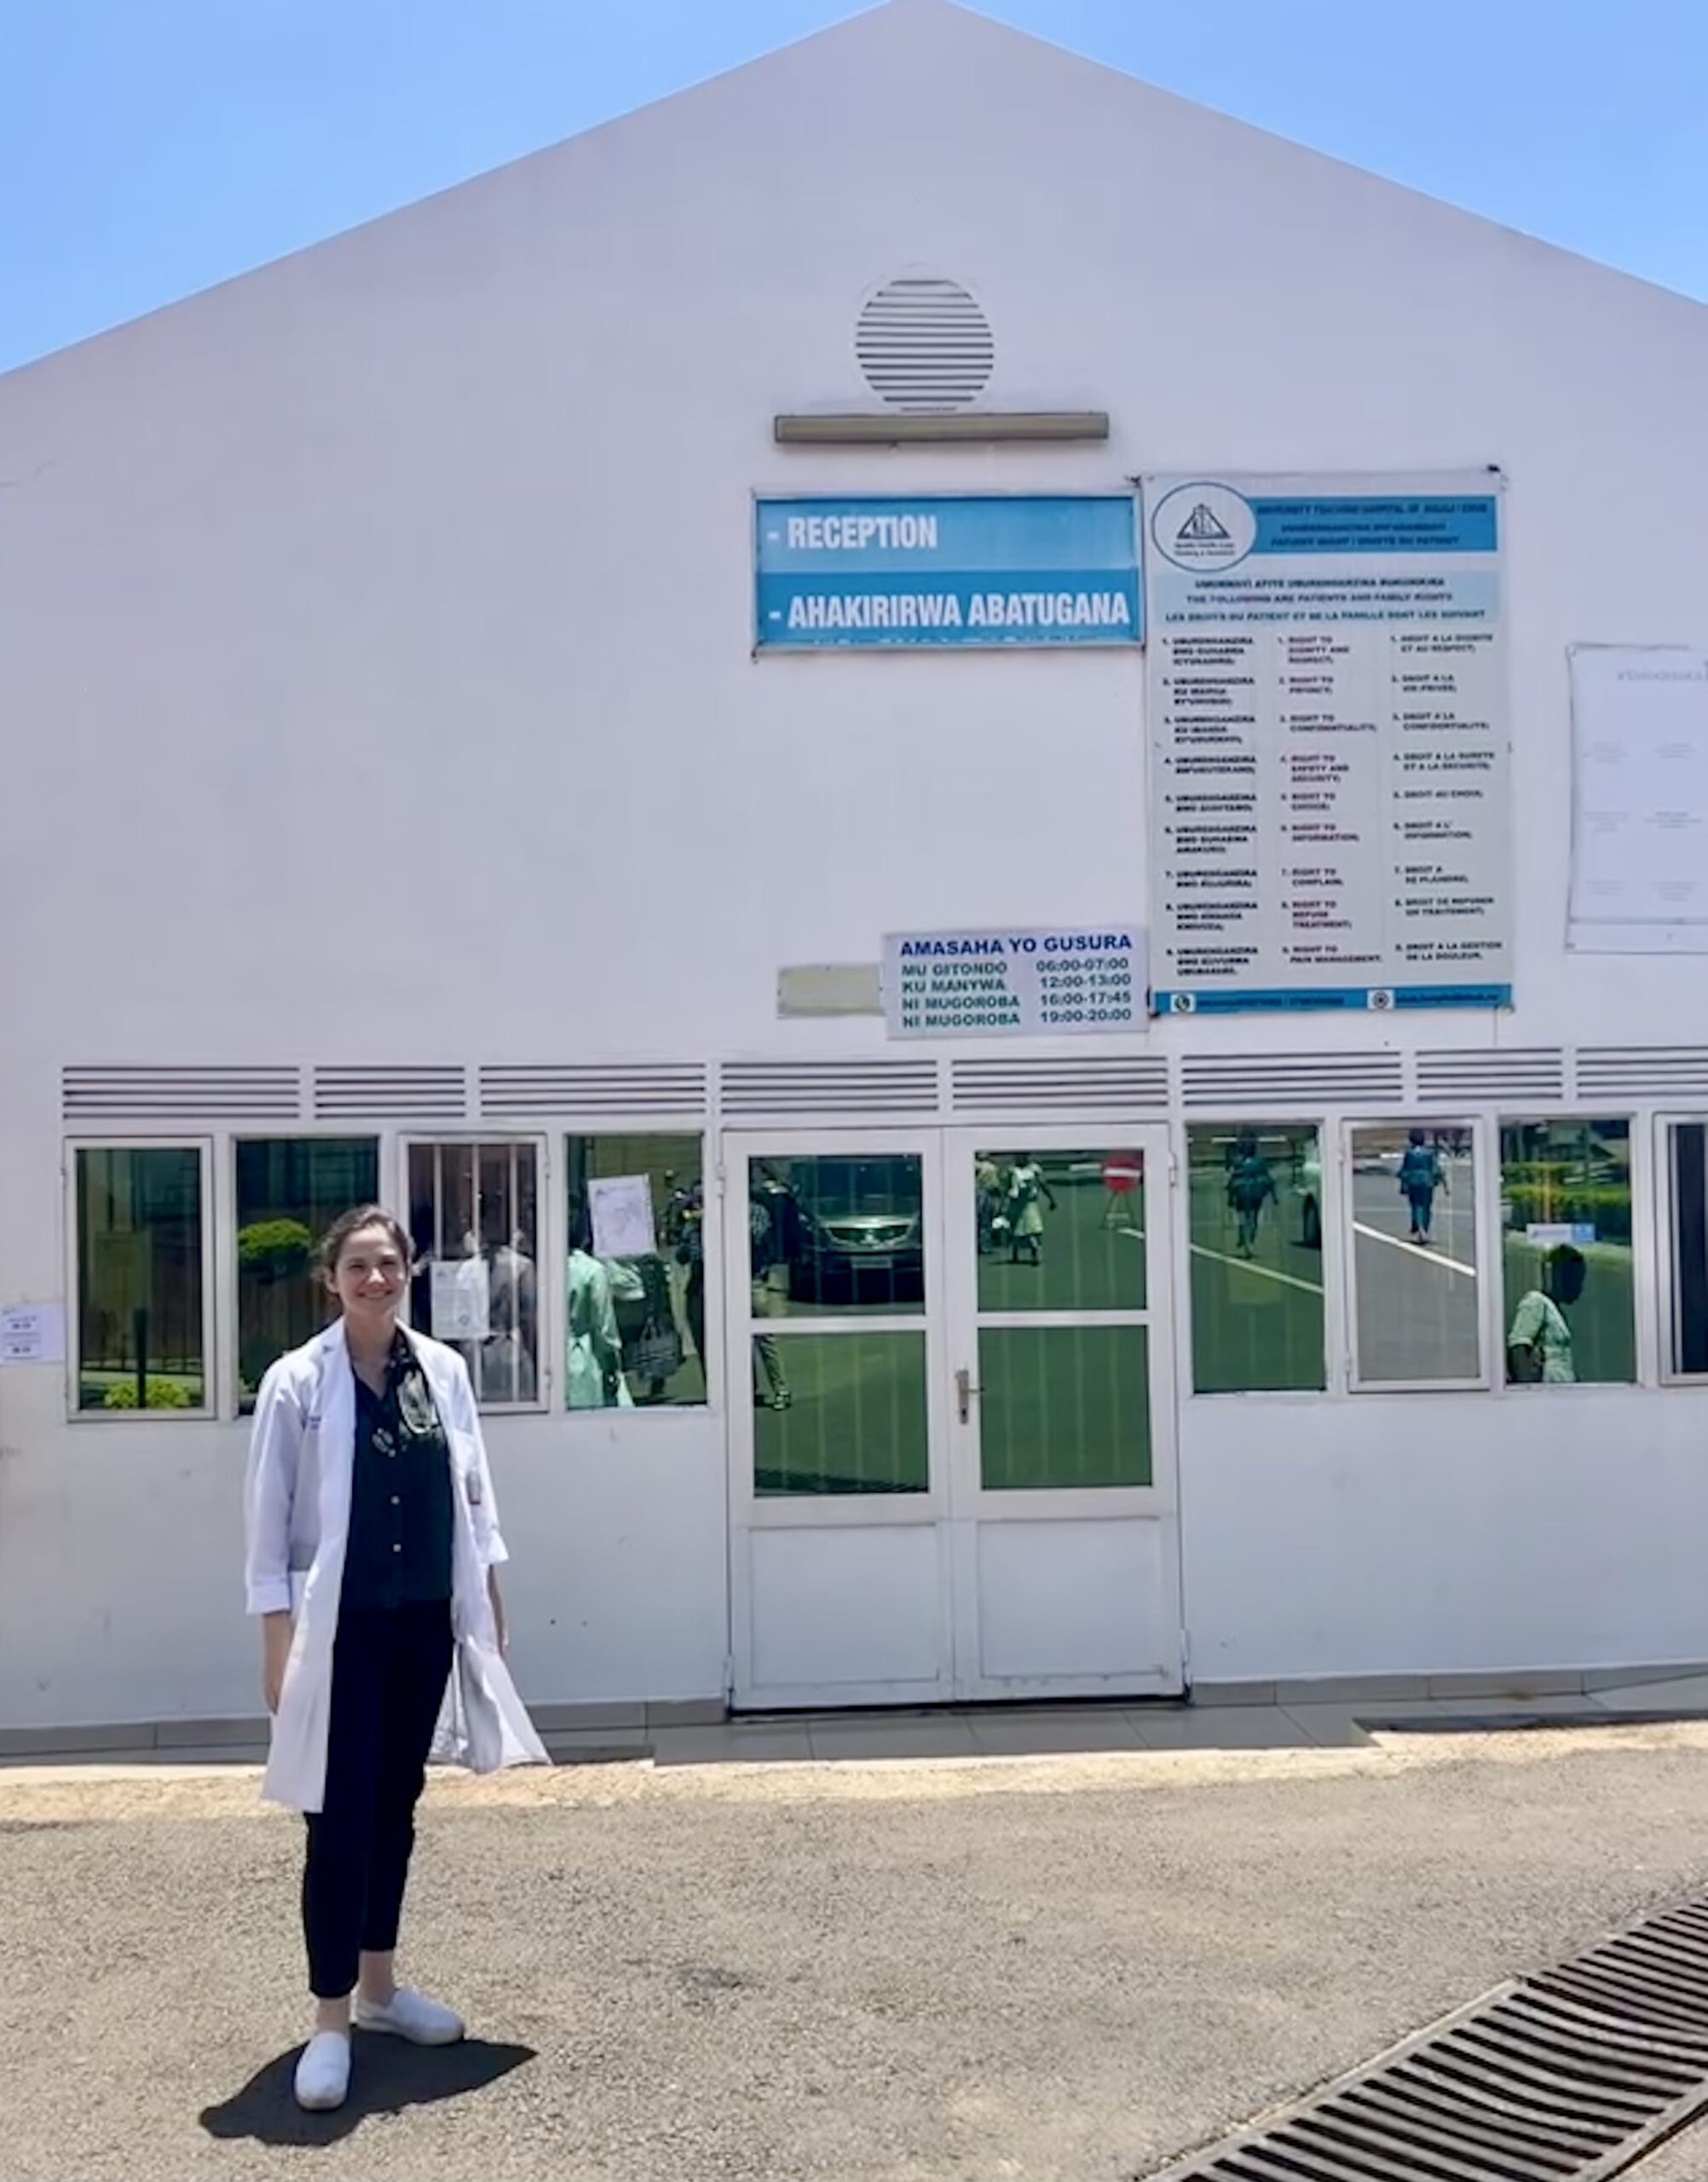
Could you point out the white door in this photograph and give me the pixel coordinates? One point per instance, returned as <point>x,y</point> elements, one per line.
<point>1064,1556</point>
<point>951,1416</point>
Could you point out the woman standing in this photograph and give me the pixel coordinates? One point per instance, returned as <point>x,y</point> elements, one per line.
<point>372,1549</point>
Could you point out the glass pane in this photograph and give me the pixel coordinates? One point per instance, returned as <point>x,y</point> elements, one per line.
<point>1060,1230</point>
<point>139,1265</point>
<point>474,1219</point>
<point>1415,1251</point>
<point>1256,1226</point>
<point>1689,1333</point>
<point>837,1232</point>
<point>649,1347</point>
<point>839,1413</point>
<point>1064,1406</point>
<point>1566,1252</point>
<point>289,1190</point>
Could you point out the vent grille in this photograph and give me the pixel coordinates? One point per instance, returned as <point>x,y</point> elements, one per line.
<point>924,345</point>
<point>1275,1079</point>
<point>1642,1071</point>
<point>1565,2077</point>
<point>176,1094</point>
<point>669,1088</point>
<point>1538,1072</point>
<point>427,1094</point>
<point>809,1087</point>
<point>1129,1080</point>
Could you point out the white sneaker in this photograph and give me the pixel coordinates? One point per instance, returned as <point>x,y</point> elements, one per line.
<point>323,2074</point>
<point>409,2014</point>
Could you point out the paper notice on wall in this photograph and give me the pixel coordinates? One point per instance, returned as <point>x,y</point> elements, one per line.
<point>1327,698</point>
<point>32,1333</point>
<point>1639,800</point>
<point>461,1300</point>
<point>621,1208</point>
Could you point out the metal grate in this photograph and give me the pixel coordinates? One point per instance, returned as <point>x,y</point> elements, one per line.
<point>594,1087</point>
<point>1471,1073</point>
<point>924,345</point>
<point>1275,1079</point>
<point>178,1094</point>
<point>855,1087</point>
<point>980,1087</point>
<point>428,1095</point>
<point>1671,1072</point>
<point>1569,2077</point>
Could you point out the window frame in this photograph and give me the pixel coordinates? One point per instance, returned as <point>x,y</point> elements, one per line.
<point>1330,1214</point>
<point>711,1179</point>
<point>211,1408</point>
<point>1648,1236</point>
<point>1480,1127</point>
<point>231,1302</point>
<point>1666,1297</point>
<point>548,1238</point>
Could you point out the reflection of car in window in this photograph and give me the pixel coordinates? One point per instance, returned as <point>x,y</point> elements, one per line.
<point>855,1222</point>
<point>1310,1197</point>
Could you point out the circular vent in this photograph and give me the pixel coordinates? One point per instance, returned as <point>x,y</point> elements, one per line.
<point>924,344</point>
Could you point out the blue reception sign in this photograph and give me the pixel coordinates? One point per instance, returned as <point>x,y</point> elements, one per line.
<point>975,568</point>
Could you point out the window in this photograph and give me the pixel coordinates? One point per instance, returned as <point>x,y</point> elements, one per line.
<point>1255,1220</point>
<point>140,1329</point>
<point>474,1219</point>
<point>1412,1203</point>
<point>289,1190</point>
<point>1686,1161</point>
<point>636,1282</point>
<point>1566,1252</point>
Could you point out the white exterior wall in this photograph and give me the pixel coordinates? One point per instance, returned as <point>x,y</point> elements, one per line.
<point>377,688</point>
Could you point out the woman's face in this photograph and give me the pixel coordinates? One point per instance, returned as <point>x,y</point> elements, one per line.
<point>368,1279</point>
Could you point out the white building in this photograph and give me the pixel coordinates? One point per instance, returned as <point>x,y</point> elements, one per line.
<point>389,762</point>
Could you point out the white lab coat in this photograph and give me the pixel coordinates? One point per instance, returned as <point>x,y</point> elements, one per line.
<point>297,1513</point>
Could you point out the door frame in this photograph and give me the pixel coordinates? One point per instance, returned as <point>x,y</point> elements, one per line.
<point>956,1505</point>
<point>750,1514</point>
<point>972,1505</point>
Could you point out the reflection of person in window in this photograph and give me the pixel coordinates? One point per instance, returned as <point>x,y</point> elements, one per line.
<point>1028,1195</point>
<point>594,1368</point>
<point>505,1359</point>
<point>763,1242</point>
<point>1250,1185</point>
<point>1421,1175</point>
<point>1538,1347</point>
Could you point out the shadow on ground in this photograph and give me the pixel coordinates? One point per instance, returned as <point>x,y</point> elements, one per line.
<point>387,2076</point>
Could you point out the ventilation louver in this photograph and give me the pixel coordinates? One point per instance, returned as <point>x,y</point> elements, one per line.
<point>1271,1080</point>
<point>426,1095</point>
<point>924,345</point>
<point>178,1094</point>
<point>594,1087</point>
<point>856,1088</point>
<point>1536,1072</point>
<point>1136,1082</point>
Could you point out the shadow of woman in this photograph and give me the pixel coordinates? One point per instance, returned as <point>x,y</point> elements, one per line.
<point>387,2074</point>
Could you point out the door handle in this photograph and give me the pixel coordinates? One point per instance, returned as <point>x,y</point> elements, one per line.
<point>964,1392</point>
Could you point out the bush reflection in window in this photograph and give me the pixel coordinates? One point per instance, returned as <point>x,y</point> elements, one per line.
<point>635,1335</point>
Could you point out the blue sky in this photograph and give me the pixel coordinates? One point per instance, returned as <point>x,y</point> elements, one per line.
<point>150,148</point>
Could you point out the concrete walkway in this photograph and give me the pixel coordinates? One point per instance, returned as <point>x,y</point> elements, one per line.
<point>1324,1716</point>
<point>866,1965</point>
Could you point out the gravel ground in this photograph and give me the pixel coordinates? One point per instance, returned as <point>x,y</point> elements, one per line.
<point>1066,1967</point>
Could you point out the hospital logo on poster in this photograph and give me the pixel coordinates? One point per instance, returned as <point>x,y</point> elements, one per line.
<point>1203,527</point>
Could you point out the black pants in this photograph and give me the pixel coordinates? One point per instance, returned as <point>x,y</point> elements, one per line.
<point>389,1674</point>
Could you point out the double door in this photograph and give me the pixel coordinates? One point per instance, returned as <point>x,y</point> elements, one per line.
<point>952,1454</point>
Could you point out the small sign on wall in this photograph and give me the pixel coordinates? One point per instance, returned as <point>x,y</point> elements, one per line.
<point>461,1300</point>
<point>32,1333</point>
<point>1040,983</point>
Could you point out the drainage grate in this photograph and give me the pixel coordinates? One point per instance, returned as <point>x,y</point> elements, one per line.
<point>1565,2077</point>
